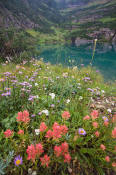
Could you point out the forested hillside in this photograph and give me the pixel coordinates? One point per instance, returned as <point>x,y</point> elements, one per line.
<point>40,14</point>
<point>26,23</point>
<point>91,19</point>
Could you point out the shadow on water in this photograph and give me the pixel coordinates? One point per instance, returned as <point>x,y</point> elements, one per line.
<point>69,55</point>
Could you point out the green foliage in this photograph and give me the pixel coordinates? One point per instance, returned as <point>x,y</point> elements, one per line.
<point>5,164</point>
<point>37,14</point>
<point>16,44</point>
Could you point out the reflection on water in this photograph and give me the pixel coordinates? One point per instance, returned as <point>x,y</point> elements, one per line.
<point>67,55</point>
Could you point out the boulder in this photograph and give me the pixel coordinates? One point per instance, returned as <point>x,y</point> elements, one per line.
<point>81,41</point>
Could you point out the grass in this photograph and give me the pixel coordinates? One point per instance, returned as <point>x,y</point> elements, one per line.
<point>57,36</point>
<point>107,19</point>
<point>32,32</point>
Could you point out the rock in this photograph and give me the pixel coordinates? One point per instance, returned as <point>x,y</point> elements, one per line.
<point>105,33</point>
<point>69,170</point>
<point>29,171</point>
<point>100,106</point>
<point>80,41</point>
<point>92,105</point>
<point>34,173</point>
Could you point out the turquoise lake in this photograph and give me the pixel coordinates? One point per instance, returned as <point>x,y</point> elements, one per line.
<point>67,55</point>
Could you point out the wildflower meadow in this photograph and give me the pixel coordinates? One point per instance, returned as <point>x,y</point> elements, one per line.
<point>49,124</point>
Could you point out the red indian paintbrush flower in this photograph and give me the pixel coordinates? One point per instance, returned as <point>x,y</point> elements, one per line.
<point>66,115</point>
<point>107,159</point>
<point>97,133</point>
<point>95,124</point>
<point>57,151</point>
<point>34,151</point>
<point>23,117</point>
<point>43,127</point>
<point>20,132</point>
<point>94,114</point>
<point>102,147</point>
<point>67,158</point>
<point>8,133</point>
<point>45,160</point>
<point>114,133</point>
<point>86,117</point>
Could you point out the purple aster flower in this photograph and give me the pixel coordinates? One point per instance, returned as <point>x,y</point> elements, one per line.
<point>105,119</point>
<point>81,131</point>
<point>30,99</point>
<point>8,93</point>
<point>87,78</point>
<point>2,80</point>
<point>28,91</point>
<point>7,73</point>
<point>7,89</point>
<point>91,90</point>
<point>97,71</point>
<point>14,81</point>
<point>20,72</point>
<point>3,94</point>
<point>33,115</point>
<point>26,76</point>
<point>52,105</point>
<point>18,160</point>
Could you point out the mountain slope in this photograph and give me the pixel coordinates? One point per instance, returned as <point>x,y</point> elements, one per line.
<point>97,18</point>
<point>28,14</point>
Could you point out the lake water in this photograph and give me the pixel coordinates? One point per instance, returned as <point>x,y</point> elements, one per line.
<point>67,55</point>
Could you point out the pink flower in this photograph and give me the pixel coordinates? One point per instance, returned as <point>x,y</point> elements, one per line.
<point>49,134</point>
<point>57,151</point>
<point>43,127</point>
<point>26,113</point>
<point>34,151</point>
<point>114,118</point>
<point>95,124</point>
<point>8,133</point>
<point>107,158</point>
<point>31,153</point>
<point>64,148</point>
<point>97,133</point>
<point>39,149</point>
<point>94,114</point>
<point>63,129</point>
<point>114,133</point>
<point>56,131</point>
<point>114,164</point>
<point>86,117</point>
<point>20,116</point>
<point>45,160</point>
<point>66,115</point>
<point>55,125</point>
<point>23,117</point>
<point>102,147</point>
<point>106,124</point>
<point>67,158</point>
<point>20,132</point>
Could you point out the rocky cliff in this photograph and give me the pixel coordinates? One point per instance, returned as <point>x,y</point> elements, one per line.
<point>90,20</point>
<point>28,13</point>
